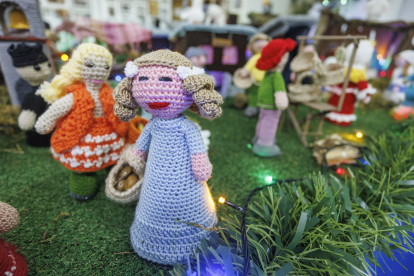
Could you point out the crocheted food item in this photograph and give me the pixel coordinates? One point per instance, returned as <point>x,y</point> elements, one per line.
<point>12,262</point>
<point>9,218</point>
<point>126,179</point>
<point>177,166</point>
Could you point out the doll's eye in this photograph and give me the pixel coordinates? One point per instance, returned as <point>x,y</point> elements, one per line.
<point>48,64</point>
<point>143,78</point>
<point>106,67</point>
<point>36,67</point>
<point>165,79</point>
<point>90,64</point>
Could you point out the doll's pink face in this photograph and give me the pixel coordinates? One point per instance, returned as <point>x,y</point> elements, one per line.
<point>258,45</point>
<point>159,91</point>
<point>199,61</point>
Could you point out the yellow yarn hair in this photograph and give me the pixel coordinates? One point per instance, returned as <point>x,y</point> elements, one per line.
<point>71,72</point>
<point>357,75</point>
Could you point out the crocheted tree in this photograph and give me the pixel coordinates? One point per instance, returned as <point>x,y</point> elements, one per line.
<point>88,135</point>
<point>174,190</point>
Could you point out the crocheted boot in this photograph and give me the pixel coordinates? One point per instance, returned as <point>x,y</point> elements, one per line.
<point>251,111</point>
<point>266,151</point>
<point>83,186</point>
<point>11,262</point>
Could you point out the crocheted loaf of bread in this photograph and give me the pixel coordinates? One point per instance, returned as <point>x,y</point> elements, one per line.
<point>9,218</point>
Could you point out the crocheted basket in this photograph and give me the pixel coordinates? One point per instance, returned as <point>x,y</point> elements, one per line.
<point>129,195</point>
<point>299,92</point>
<point>134,129</point>
<point>303,61</point>
<point>330,74</point>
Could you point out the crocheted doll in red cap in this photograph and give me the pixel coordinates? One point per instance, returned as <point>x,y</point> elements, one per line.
<point>272,97</point>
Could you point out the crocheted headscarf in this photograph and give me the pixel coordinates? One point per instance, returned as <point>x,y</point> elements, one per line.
<point>206,101</point>
<point>273,52</point>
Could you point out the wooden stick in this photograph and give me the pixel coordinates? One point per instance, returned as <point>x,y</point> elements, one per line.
<point>331,37</point>
<point>348,73</point>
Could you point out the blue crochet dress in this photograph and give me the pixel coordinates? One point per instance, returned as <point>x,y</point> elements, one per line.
<point>171,191</point>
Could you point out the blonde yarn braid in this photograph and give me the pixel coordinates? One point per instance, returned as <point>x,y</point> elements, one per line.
<point>71,71</point>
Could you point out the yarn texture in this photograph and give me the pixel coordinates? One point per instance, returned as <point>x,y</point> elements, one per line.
<point>272,82</point>
<point>9,218</point>
<point>171,191</point>
<point>83,185</point>
<point>12,262</point>
<point>82,142</point>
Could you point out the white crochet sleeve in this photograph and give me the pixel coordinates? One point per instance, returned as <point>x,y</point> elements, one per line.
<point>47,122</point>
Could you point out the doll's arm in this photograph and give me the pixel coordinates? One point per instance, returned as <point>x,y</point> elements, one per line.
<point>143,143</point>
<point>47,122</point>
<point>137,155</point>
<point>200,163</point>
<point>281,98</point>
<point>365,90</point>
<point>32,107</point>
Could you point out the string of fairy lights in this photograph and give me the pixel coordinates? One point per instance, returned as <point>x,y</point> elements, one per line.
<point>222,200</point>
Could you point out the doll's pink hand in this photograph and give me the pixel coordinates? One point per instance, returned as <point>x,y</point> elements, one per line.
<point>367,100</point>
<point>281,100</point>
<point>202,167</point>
<point>140,153</point>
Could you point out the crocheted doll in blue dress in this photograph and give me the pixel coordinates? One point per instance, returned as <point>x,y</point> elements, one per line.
<point>177,167</point>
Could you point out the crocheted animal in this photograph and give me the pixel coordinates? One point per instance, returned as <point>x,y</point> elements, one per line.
<point>33,66</point>
<point>255,46</point>
<point>12,263</point>
<point>88,135</point>
<point>357,89</point>
<point>272,97</point>
<point>401,84</point>
<point>177,167</point>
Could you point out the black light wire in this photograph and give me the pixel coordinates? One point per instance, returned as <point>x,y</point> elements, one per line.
<point>246,267</point>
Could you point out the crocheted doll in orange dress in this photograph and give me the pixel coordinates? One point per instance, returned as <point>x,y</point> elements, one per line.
<point>88,135</point>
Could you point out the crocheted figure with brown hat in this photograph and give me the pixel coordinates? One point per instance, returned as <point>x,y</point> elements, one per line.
<point>34,67</point>
<point>255,46</point>
<point>12,262</point>
<point>272,97</point>
<point>358,88</point>
<point>88,135</point>
<point>170,150</point>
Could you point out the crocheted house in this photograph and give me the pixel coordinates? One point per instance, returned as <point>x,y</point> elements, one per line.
<point>20,21</point>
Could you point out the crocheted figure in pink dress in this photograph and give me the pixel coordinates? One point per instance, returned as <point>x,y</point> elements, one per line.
<point>171,151</point>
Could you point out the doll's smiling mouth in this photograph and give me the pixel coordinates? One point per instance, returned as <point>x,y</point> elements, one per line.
<point>157,105</point>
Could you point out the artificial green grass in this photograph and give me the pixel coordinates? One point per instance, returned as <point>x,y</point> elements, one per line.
<point>86,242</point>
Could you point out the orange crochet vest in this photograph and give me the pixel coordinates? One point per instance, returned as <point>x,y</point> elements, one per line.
<point>75,125</point>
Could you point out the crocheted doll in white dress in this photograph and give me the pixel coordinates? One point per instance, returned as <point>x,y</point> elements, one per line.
<point>177,166</point>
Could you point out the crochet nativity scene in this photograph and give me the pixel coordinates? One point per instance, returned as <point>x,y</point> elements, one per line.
<point>194,143</point>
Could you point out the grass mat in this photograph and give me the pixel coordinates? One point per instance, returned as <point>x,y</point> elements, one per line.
<point>92,238</point>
